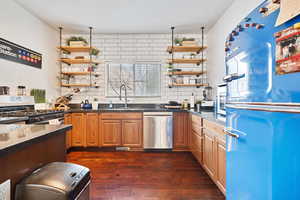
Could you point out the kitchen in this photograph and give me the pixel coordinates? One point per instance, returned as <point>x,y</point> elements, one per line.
<point>121,104</point>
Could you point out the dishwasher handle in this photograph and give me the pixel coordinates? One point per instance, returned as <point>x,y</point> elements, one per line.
<point>150,114</point>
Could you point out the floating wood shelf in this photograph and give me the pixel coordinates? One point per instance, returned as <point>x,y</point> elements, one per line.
<point>191,73</point>
<point>75,73</point>
<point>196,49</point>
<point>77,85</point>
<point>76,49</point>
<point>70,61</point>
<point>186,85</point>
<point>186,61</point>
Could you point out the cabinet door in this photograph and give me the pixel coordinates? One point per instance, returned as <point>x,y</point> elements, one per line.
<point>196,146</point>
<point>221,165</point>
<point>92,133</point>
<point>208,153</point>
<point>79,129</point>
<point>68,120</point>
<point>180,130</point>
<point>111,132</point>
<point>132,133</point>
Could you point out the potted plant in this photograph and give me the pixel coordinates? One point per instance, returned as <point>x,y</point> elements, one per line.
<point>76,41</point>
<point>94,53</point>
<point>188,41</point>
<point>192,55</point>
<point>178,41</point>
<point>65,54</point>
<point>170,67</point>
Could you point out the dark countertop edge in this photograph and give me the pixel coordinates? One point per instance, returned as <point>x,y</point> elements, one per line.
<point>15,147</point>
<point>13,120</point>
<point>211,117</point>
<point>123,110</point>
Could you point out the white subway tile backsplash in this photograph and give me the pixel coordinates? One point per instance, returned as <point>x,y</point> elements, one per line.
<point>141,47</point>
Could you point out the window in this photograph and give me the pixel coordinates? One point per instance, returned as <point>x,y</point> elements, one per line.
<point>142,80</point>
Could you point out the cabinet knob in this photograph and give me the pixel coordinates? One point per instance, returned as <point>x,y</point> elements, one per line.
<point>276,1</point>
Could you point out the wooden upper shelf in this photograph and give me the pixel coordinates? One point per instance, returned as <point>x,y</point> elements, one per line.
<point>76,49</point>
<point>78,85</point>
<point>186,61</point>
<point>187,85</point>
<point>70,61</point>
<point>186,73</point>
<point>196,49</point>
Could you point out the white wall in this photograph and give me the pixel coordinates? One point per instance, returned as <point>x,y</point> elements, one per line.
<point>138,47</point>
<point>21,27</point>
<point>217,36</point>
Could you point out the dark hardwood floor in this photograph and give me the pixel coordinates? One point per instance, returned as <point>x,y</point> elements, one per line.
<point>146,176</point>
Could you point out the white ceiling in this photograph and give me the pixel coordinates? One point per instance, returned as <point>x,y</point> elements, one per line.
<point>128,16</point>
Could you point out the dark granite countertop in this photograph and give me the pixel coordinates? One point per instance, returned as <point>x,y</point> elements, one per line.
<point>11,120</point>
<point>13,135</point>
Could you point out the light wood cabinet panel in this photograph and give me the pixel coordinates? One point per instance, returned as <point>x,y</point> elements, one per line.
<point>92,131</point>
<point>209,153</point>
<point>180,126</point>
<point>197,146</point>
<point>132,133</point>
<point>79,129</point>
<point>221,165</point>
<point>68,120</point>
<point>111,132</point>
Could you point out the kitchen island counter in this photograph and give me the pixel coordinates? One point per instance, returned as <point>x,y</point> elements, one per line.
<point>14,136</point>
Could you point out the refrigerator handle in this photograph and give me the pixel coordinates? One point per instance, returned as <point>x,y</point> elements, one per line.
<point>232,77</point>
<point>228,131</point>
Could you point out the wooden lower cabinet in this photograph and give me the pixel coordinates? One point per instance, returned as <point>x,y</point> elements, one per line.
<point>68,120</point>
<point>111,132</point>
<point>209,153</point>
<point>78,130</point>
<point>196,146</point>
<point>208,145</point>
<point>92,130</point>
<point>132,134</point>
<point>180,130</point>
<point>221,164</point>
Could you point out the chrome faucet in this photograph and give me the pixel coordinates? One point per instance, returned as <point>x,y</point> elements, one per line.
<point>125,97</point>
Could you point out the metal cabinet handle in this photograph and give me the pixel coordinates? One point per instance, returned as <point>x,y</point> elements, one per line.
<point>228,132</point>
<point>232,77</point>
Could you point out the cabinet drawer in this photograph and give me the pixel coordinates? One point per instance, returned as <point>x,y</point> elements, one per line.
<point>196,120</point>
<point>121,115</point>
<point>213,127</point>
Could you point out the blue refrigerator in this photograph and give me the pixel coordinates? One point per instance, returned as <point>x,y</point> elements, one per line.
<point>263,107</point>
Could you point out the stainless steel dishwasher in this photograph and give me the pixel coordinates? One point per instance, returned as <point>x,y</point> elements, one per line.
<point>158,130</point>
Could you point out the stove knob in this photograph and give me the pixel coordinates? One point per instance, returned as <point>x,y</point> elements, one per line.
<point>263,10</point>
